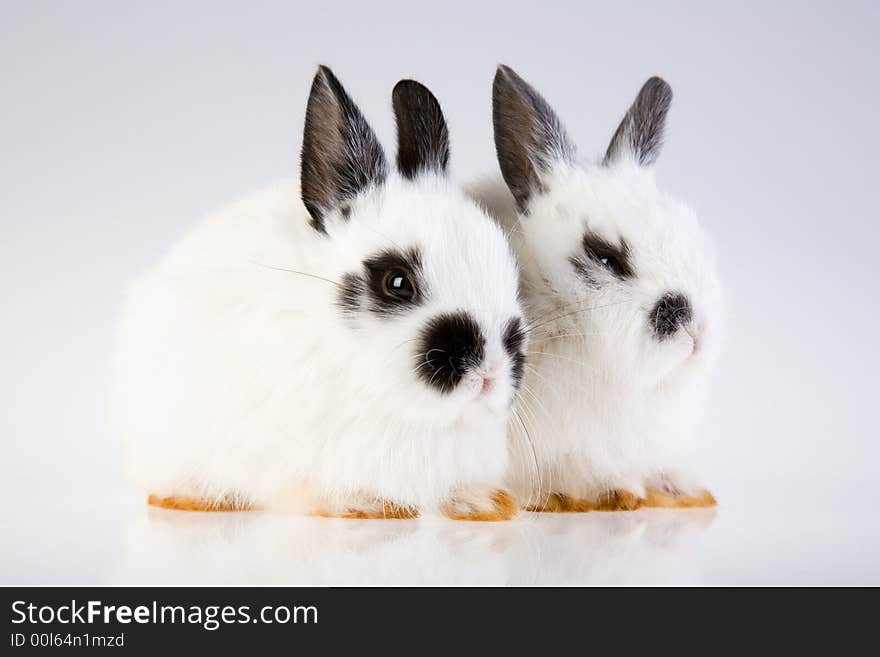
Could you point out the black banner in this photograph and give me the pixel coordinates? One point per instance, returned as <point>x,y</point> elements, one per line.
<point>322,618</point>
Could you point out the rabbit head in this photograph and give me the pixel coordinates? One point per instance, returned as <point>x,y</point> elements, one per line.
<point>609,258</point>
<point>427,286</point>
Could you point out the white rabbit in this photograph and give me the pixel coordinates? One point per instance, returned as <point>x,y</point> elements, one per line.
<point>623,304</point>
<point>355,354</point>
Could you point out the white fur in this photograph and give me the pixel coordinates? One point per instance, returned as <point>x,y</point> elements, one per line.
<point>235,376</point>
<point>605,405</point>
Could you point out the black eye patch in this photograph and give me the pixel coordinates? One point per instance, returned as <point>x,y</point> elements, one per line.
<point>390,283</point>
<point>599,253</point>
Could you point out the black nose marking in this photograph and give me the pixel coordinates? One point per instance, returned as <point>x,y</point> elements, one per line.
<point>450,344</point>
<point>670,312</point>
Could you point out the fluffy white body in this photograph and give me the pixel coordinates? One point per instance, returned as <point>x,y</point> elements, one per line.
<point>607,406</point>
<point>242,372</point>
<point>238,376</point>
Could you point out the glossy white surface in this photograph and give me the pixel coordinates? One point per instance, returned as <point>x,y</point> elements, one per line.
<point>770,541</point>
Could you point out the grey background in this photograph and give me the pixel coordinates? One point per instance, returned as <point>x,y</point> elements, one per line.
<point>121,123</point>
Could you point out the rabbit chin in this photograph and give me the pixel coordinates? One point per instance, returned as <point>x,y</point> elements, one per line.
<point>492,403</point>
<point>672,359</point>
<point>683,358</point>
<point>468,402</point>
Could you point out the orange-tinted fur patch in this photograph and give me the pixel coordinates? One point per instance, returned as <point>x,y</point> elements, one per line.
<point>619,500</point>
<point>673,500</point>
<point>177,503</point>
<point>388,510</point>
<point>613,500</point>
<point>561,503</point>
<point>504,508</point>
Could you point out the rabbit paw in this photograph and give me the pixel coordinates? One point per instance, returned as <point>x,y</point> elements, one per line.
<point>612,500</point>
<point>480,504</point>
<point>619,500</point>
<point>562,503</point>
<point>676,499</point>
<point>374,510</point>
<point>183,503</point>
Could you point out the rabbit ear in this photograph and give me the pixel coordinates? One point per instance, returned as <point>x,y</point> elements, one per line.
<point>529,137</point>
<point>340,153</point>
<point>422,135</point>
<point>640,135</point>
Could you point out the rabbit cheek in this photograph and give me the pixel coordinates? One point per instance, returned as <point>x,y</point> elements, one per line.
<point>514,339</point>
<point>351,293</point>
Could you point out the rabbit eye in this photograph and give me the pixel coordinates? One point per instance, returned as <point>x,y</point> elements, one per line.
<point>611,257</point>
<point>397,283</point>
<point>393,281</point>
<point>613,265</point>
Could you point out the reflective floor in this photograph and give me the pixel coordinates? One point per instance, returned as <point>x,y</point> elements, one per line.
<point>749,543</point>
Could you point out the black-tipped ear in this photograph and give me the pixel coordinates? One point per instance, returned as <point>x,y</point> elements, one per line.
<point>529,137</point>
<point>422,136</point>
<point>340,153</point>
<point>640,135</point>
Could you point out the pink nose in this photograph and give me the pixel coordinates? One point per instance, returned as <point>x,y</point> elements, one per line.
<point>696,333</point>
<point>487,386</point>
